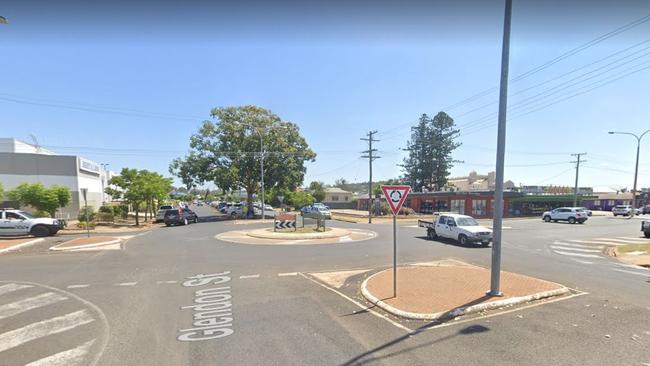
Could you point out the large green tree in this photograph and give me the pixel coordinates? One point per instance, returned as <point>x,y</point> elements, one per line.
<point>130,187</point>
<point>430,149</point>
<point>37,196</point>
<point>317,190</point>
<point>227,152</point>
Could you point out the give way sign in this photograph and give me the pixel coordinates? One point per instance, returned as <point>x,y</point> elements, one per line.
<point>395,195</point>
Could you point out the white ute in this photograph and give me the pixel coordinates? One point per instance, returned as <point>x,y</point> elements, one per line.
<point>458,227</point>
<point>17,222</point>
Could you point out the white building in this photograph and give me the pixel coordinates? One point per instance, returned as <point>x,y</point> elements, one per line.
<point>21,162</point>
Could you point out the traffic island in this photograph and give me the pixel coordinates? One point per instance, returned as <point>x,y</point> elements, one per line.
<point>298,235</point>
<point>91,243</point>
<point>437,292</point>
<point>8,245</point>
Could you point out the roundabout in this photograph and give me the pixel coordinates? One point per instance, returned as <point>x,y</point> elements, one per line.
<point>269,237</point>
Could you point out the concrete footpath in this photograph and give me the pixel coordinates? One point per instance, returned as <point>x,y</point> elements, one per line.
<point>445,289</point>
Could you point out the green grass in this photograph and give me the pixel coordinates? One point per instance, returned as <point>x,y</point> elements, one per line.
<point>634,248</point>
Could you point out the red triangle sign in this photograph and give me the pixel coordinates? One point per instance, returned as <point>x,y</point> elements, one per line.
<point>395,196</point>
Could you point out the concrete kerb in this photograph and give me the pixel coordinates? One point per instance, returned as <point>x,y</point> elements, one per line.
<point>265,234</point>
<point>24,244</point>
<point>85,246</point>
<point>461,310</point>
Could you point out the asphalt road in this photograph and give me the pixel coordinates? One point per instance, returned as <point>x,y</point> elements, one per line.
<point>157,301</point>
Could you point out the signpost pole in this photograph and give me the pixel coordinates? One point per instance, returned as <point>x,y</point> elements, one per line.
<point>394,256</point>
<point>84,191</point>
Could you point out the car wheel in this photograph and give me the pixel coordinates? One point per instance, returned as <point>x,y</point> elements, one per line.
<point>168,224</point>
<point>572,220</point>
<point>547,219</point>
<point>647,234</point>
<point>40,231</point>
<point>485,245</point>
<point>462,239</point>
<point>615,215</point>
<point>185,222</point>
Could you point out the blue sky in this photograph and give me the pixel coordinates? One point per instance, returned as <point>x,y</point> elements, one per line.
<point>74,76</point>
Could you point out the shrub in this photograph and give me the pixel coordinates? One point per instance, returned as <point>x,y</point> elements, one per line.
<point>107,209</point>
<point>406,211</point>
<point>86,214</point>
<point>121,211</point>
<point>86,225</point>
<point>384,208</point>
<point>105,216</point>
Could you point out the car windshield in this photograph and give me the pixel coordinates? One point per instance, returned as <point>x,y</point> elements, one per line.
<point>466,221</point>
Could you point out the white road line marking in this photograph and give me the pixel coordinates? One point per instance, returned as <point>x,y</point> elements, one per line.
<point>624,241</point>
<point>125,284</point>
<point>633,266</point>
<point>70,357</point>
<point>630,272</point>
<point>78,286</point>
<point>576,249</point>
<point>344,239</point>
<point>638,238</point>
<point>579,261</point>
<point>29,303</point>
<point>249,276</point>
<point>578,254</point>
<point>43,328</point>
<point>287,274</point>
<point>166,282</point>
<point>597,242</point>
<point>578,245</point>
<point>365,308</point>
<point>4,289</point>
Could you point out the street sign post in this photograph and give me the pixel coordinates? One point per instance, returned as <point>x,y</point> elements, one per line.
<point>84,193</point>
<point>395,196</point>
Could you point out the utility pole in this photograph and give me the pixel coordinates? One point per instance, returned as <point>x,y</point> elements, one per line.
<point>497,224</point>
<point>636,169</point>
<point>370,158</point>
<point>575,190</point>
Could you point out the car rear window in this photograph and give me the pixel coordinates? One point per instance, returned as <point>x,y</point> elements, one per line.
<point>171,212</point>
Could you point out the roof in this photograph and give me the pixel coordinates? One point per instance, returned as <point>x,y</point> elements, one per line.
<point>336,190</point>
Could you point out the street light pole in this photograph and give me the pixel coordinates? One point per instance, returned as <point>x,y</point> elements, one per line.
<point>636,168</point>
<point>497,224</point>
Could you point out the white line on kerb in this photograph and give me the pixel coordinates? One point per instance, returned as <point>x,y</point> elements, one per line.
<point>43,328</point>
<point>78,286</point>
<point>249,276</point>
<point>166,282</point>
<point>70,357</point>
<point>287,274</point>
<point>29,303</point>
<point>125,284</point>
<point>4,289</point>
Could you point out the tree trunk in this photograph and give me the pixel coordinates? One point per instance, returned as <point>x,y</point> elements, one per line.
<point>137,214</point>
<point>249,203</point>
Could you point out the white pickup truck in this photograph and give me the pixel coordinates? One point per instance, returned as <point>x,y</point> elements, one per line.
<point>17,222</point>
<point>461,228</point>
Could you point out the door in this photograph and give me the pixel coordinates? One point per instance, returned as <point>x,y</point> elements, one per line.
<point>452,228</point>
<point>13,224</point>
<point>564,213</point>
<point>442,229</point>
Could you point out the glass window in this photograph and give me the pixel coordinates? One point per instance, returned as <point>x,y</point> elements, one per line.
<point>478,207</point>
<point>467,221</point>
<point>442,220</point>
<point>346,198</point>
<point>335,198</point>
<point>451,221</point>
<point>458,206</point>
<point>13,216</point>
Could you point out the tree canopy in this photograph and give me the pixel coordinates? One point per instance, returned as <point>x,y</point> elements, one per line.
<point>227,152</point>
<point>429,160</point>
<point>140,187</point>
<point>46,200</point>
<point>317,190</point>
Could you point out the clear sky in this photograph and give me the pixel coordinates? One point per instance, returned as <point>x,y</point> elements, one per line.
<point>127,84</point>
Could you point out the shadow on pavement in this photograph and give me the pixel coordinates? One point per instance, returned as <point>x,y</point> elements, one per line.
<point>452,242</point>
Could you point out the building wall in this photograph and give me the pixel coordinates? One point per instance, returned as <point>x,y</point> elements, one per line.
<point>342,197</point>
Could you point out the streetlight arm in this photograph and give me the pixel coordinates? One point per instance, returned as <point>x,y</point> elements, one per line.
<point>643,134</point>
<point>627,133</point>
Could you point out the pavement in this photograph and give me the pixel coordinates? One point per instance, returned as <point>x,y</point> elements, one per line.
<point>438,290</point>
<point>180,296</point>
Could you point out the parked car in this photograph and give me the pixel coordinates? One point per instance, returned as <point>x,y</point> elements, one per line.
<point>646,210</point>
<point>17,222</point>
<point>160,216</point>
<point>569,214</point>
<point>316,211</point>
<point>462,228</point>
<point>588,211</point>
<point>645,227</point>
<point>235,209</point>
<point>623,210</point>
<point>180,216</point>
<point>268,210</point>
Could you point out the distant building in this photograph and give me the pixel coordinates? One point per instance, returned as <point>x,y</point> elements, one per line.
<point>476,182</point>
<point>550,189</point>
<point>21,162</point>
<point>337,198</point>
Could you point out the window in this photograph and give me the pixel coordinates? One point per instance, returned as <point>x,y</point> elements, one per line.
<point>335,198</point>
<point>442,220</point>
<point>451,221</point>
<point>347,198</point>
<point>478,207</point>
<point>13,216</point>
<point>597,203</point>
<point>458,206</point>
<point>610,203</point>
